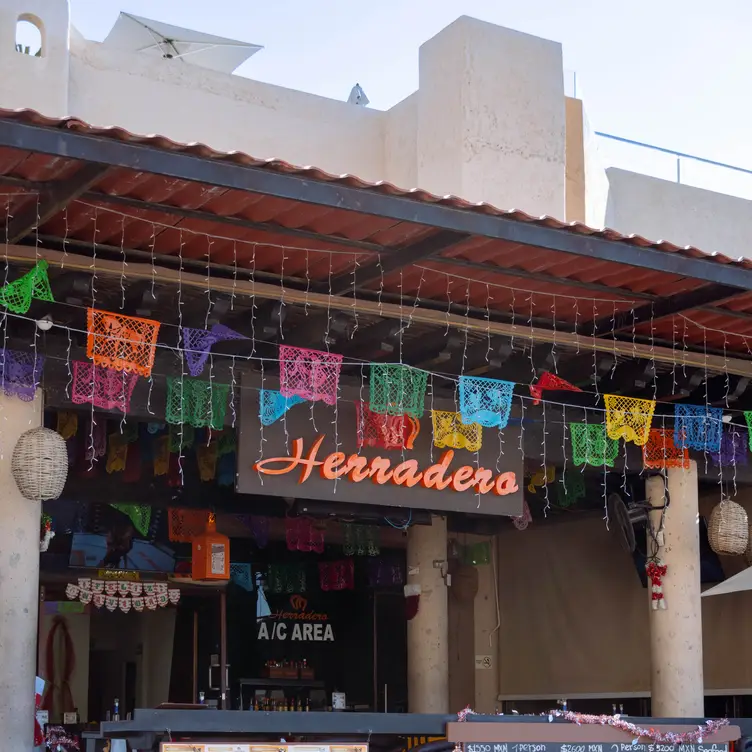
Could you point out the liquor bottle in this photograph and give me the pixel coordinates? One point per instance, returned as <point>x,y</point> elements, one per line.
<point>307,704</point>
<point>116,710</point>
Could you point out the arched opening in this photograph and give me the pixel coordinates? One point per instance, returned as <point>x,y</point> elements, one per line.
<point>29,36</point>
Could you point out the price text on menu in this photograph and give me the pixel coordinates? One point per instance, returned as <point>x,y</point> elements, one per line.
<point>598,747</point>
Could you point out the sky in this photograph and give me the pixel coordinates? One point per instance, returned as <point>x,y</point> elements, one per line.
<point>673,73</point>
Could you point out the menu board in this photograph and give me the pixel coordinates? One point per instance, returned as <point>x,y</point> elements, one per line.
<point>258,747</point>
<point>597,747</point>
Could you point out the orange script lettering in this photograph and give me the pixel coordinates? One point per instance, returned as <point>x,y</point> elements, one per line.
<point>380,471</point>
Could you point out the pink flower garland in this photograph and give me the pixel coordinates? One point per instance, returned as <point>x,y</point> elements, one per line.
<point>671,737</point>
<point>637,732</point>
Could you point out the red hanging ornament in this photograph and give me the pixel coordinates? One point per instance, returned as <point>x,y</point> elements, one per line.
<point>412,600</point>
<point>656,571</point>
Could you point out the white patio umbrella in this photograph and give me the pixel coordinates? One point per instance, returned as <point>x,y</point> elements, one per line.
<point>735,584</point>
<point>137,34</point>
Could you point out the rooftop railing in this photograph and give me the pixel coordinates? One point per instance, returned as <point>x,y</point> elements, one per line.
<point>665,163</point>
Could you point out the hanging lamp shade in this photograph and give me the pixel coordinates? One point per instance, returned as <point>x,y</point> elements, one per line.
<point>728,529</point>
<point>40,464</point>
<point>210,559</point>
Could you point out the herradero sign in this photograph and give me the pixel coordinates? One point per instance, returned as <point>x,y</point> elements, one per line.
<point>380,470</point>
<point>306,625</point>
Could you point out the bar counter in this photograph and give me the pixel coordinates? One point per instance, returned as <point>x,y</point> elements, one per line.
<point>150,726</point>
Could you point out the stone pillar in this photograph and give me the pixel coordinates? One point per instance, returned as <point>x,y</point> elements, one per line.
<point>676,633</point>
<point>428,631</point>
<point>19,583</point>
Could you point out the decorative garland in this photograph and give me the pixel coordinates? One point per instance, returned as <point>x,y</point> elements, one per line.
<point>638,732</point>
<point>46,533</point>
<point>695,736</point>
<point>123,594</point>
<point>656,571</point>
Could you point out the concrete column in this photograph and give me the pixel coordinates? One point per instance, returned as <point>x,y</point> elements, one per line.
<point>490,117</point>
<point>19,583</point>
<point>428,632</point>
<point>487,635</point>
<point>676,633</point>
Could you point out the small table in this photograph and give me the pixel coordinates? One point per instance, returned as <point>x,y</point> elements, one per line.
<point>303,685</point>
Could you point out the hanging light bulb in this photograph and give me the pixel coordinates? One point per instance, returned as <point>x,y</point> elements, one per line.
<point>45,323</point>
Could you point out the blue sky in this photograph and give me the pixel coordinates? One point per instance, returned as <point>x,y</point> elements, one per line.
<point>672,73</point>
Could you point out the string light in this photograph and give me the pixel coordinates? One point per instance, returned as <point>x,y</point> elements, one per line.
<point>674,332</point>
<point>381,281</point>
<point>533,372</point>
<point>182,354</point>
<point>594,328</point>
<point>65,236</point>
<point>209,303</point>
<point>262,439</point>
<point>450,378</point>
<point>8,217</point>
<point>123,263</point>
<point>547,505</point>
<point>215,237</point>
<point>488,324</point>
<point>253,302</point>
<point>355,267</point>
<point>553,344</point>
<point>542,293</point>
<point>93,422</point>
<point>67,363</point>
<point>283,303</point>
<point>652,351</point>
<point>152,246</point>
<point>308,284</point>
<point>234,274</point>
<point>148,395</point>
<point>449,302</point>
<point>233,388</point>
<point>464,343</point>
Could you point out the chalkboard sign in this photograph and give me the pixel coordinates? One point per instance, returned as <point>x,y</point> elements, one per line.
<point>582,747</point>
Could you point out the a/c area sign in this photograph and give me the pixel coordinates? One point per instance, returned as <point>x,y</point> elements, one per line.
<point>295,622</point>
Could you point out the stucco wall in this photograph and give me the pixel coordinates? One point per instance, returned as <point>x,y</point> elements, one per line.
<point>38,83</point>
<point>487,122</point>
<point>229,113</point>
<point>586,629</point>
<point>491,123</point>
<point>663,210</point>
<point>401,143</point>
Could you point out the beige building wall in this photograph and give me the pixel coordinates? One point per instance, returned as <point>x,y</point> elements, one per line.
<point>575,616</point>
<point>664,210</point>
<point>575,161</point>
<point>474,128</point>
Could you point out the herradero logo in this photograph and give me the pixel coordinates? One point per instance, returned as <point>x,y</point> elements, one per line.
<point>298,603</point>
<point>313,627</point>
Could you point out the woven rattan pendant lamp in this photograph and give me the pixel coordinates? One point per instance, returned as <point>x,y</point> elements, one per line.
<point>40,464</point>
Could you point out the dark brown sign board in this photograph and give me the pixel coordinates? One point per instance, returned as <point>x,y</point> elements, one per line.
<point>559,737</point>
<point>499,454</point>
